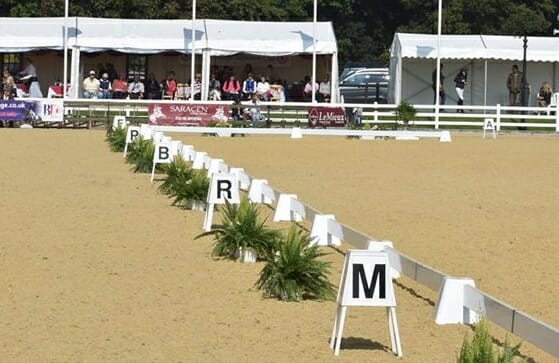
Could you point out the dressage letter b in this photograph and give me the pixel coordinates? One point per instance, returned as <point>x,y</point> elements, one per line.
<point>163,153</point>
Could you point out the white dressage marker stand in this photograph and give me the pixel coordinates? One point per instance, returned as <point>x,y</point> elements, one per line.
<point>119,121</point>
<point>445,136</point>
<point>261,192</point>
<point>187,152</point>
<point>199,160</point>
<point>222,187</point>
<point>296,133</point>
<point>176,146</point>
<point>131,134</point>
<point>289,209</point>
<point>450,308</point>
<point>381,246</point>
<point>366,281</point>
<point>489,125</point>
<point>217,166</point>
<point>161,155</point>
<point>146,132</point>
<point>326,231</point>
<point>242,177</point>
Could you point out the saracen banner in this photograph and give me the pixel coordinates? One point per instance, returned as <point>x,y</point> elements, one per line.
<point>186,114</point>
<point>327,116</point>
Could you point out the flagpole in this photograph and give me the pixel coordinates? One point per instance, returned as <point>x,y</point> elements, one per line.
<point>193,55</point>
<point>313,94</point>
<point>65,75</point>
<point>438,80</point>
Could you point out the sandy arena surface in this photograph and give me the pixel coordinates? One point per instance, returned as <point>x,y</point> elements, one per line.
<point>98,267</point>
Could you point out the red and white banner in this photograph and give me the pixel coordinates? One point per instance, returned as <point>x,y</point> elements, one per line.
<point>327,116</point>
<point>187,114</point>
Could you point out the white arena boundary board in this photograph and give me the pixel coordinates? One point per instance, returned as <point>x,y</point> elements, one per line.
<point>443,136</point>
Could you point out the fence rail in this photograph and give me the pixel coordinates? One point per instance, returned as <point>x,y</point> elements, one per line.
<point>381,115</point>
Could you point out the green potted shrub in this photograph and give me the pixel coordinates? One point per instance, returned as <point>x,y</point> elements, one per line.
<point>116,138</point>
<point>480,348</point>
<point>177,173</point>
<point>140,155</point>
<point>405,112</point>
<point>295,272</point>
<point>242,233</point>
<point>193,193</point>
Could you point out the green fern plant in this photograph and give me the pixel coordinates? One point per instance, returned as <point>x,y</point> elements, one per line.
<point>193,192</point>
<point>295,271</point>
<point>177,173</point>
<point>116,138</point>
<point>405,112</point>
<point>140,155</point>
<point>480,348</point>
<point>242,228</point>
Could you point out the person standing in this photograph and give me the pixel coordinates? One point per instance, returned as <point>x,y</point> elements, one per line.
<point>438,86</point>
<point>514,83</point>
<point>461,80</point>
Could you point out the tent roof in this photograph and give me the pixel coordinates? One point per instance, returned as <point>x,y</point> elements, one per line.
<point>501,47</point>
<point>222,37</point>
<point>262,38</point>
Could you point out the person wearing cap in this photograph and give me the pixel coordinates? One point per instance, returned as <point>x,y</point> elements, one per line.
<point>105,86</point>
<point>91,87</point>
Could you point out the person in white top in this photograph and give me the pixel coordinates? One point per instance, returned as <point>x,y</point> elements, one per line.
<point>29,77</point>
<point>324,89</point>
<point>136,88</point>
<point>263,89</point>
<point>90,86</point>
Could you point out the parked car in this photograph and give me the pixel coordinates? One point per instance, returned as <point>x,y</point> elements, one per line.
<point>365,86</point>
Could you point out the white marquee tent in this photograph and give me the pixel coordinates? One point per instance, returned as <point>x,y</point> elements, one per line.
<point>488,58</point>
<point>214,38</point>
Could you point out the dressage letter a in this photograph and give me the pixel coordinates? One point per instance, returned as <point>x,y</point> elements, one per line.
<point>359,278</point>
<point>224,186</point>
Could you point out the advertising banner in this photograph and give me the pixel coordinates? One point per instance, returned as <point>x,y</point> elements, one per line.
<point>187,114</point>
<point>327,117</point>
<point>50,110</point>
<point>15,110</point>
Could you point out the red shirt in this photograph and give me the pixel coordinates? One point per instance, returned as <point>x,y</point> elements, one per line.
<point>170,87</point>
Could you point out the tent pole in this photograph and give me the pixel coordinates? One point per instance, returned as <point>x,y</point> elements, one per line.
<point>192,52</point>
<point>313,98</point>
<point>437,81</point>
<point>485,85</point>
<point>65,74</point>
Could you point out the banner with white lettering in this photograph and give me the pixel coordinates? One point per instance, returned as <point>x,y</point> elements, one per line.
<point>16,110</point>
<point>327,116</point>
<point>187,114</point>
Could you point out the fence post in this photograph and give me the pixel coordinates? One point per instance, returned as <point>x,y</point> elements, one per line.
<point>498,117</point>
<point>375,113</point>
<point>556,120</point>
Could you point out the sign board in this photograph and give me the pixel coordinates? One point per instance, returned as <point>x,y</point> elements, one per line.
<point>327,117</point>
<point>223,187</point>
<point>50,110</point>
<point>366,281</point>
<point>187,114</point>
<point>489,125</point>
<point>161,155</point>
<point>15,110</point>
<point>119,121</point>
<point>132,134</point>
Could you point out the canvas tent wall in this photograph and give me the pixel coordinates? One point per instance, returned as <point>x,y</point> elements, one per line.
<point>214,38</point>
<point>488,58</point>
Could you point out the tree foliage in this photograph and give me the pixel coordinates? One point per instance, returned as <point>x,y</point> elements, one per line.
<point>364,28</point>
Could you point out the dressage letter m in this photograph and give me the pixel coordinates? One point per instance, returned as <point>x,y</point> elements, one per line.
<point>359,278</point>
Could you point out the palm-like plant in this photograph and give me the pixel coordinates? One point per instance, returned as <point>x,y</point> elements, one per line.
<point>242,228</point>
<point>295,271</point>
<point>140,154</point>
<point>116,138</point>
<point>193,192</point>
<point>405,112</point>
<point>178,173</point>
